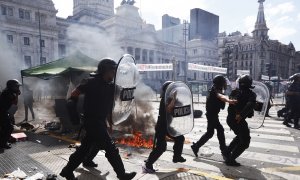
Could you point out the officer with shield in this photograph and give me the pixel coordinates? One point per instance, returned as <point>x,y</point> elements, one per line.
<point>293,95</point>
<point>8,107</point>
<point>98,103</point>
<point>161,131</point>
<point>214,103</point>
<point>236,119</point>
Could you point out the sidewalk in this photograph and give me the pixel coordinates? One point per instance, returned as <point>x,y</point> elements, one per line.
<point>47,155</point>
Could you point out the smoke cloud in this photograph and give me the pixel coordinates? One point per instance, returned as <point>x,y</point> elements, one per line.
<point>94,42</point>
<point>10,65</point>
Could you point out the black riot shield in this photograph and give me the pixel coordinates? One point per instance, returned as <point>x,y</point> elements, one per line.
<point>262,100</point>
<point>126,80</point>
<point>179,109</point>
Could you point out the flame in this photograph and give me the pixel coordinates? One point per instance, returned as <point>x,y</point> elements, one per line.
<point>136,140</point>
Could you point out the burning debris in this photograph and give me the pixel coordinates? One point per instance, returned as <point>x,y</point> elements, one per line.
<point>136,140</point>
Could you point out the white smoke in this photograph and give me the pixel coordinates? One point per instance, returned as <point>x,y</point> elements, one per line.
<point>10,63</point>
<point>94,42</point>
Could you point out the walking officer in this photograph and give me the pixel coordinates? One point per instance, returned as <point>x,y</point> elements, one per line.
<point>161,131</point>
<point>214,103</point>
<point>293,94</point>
<point>98,103</point>
<point>8,107</point>
<point>236,119</point>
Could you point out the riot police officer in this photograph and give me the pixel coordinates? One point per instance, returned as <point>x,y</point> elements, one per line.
<point>293,94</point>
<point>161,131</point>
<point>236,119</point>
<point>214,103</point>
<point>98,103</point>
<point>8,106</point>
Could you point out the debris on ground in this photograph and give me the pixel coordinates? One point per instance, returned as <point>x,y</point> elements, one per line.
<point>27,126</point>
<point>17,174</point>
<point>74,145</point>
<point>53,126</point>
<point>127,155</point>
<point>51,177</point>
<point>36,176</point>
<point>19,136</point>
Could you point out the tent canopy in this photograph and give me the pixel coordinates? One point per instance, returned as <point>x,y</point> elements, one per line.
<point>76,62</point>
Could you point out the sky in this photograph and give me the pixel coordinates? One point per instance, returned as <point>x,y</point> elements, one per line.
<point>282,16</point>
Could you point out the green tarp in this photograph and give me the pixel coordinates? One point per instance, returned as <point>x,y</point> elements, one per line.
<point>76,62</point>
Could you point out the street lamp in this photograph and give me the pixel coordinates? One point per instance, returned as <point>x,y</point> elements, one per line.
<point>174,62</point>
<point>228,51</point>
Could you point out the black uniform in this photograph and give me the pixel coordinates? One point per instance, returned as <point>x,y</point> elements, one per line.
<point>213,107</point>
<point>246,100</point>
<point>28,102</point>
<point>97,105</point>
<point>7,99</point>
<point>161,131</point>
<point>294,103</point>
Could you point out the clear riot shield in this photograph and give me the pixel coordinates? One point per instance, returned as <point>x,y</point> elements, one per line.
<point>126,80</point>
<point>262,100</point>
<point>179,109</point>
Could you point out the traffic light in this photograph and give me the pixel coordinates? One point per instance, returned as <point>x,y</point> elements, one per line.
<point>268,69</point>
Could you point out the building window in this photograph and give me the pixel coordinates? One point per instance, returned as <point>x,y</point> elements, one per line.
<point>28,61</point>
<point>21,13</point>
<point>27,15</point>
<point>3,10</point>
<point>137,54</point>
<point>151,56</point>
<point>10,11</point>
<point>7,10</point>
<point>144,55</point>
<point>10,38</point>
<point>195,51</point>
<point>61,50</point>
<point>41,17</point>
<point>24,14</point>
<point>26,41</point>
<point>42,43</point>
<point>130,50</point>
<point>43,60</point>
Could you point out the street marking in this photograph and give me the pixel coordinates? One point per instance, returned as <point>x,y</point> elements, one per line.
<point>260,130</point>
<point>276,159</point>
<point>64,138</point>
<point>282,169</point>
<point>281,174</point>
<point>255,144</point>
<point>253,135</point>
<point>266,125</point>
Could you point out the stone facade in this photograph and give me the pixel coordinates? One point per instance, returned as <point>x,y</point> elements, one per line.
<point>245,52</point>
<point>23,24</point>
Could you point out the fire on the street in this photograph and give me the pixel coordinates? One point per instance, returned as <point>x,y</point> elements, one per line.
<point>136,140</point>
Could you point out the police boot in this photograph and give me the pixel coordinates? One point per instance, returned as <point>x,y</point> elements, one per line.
<point>232,162</point>
<point>66,173</point>
<point>179,159</point>
<point>195,149</point>
<point>127,176</point>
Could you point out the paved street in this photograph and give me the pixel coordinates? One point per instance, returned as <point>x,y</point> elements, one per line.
<point>273,154</point>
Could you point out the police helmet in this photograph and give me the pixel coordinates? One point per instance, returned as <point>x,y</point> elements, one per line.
<point>245,81</point>
<point>164,88</point>
<point>13,83</point>
<point>106,64</point>
<point>220,82</point>
<point>294,77</point>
